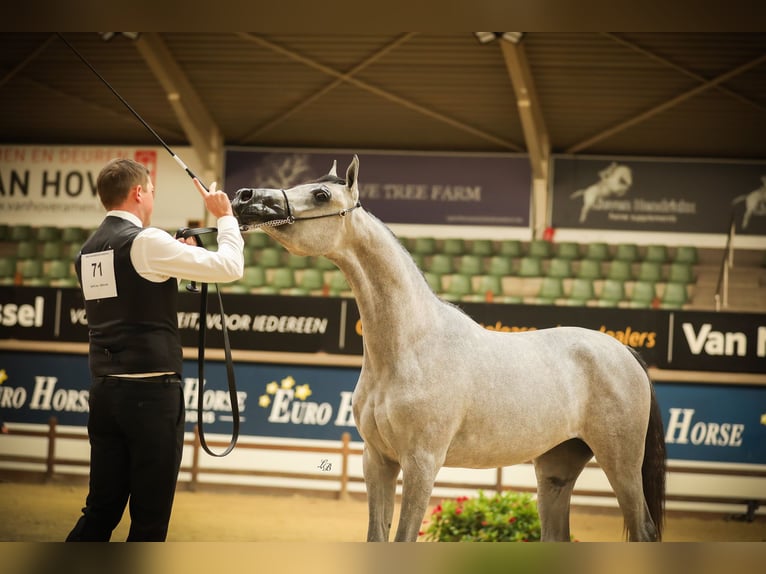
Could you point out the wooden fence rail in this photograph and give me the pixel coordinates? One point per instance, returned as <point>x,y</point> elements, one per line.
<point>51,461</point>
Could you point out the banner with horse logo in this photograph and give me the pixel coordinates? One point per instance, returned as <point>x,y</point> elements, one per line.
<point>652,194</point>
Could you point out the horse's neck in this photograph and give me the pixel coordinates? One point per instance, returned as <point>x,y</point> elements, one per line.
<point>395,302</point>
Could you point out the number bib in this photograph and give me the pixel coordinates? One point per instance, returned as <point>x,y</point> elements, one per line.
<point>97,273</point>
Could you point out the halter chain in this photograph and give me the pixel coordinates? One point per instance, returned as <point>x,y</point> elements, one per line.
<point>290,219</point>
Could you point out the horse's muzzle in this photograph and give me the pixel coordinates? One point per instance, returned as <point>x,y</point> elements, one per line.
<point>258,205</point>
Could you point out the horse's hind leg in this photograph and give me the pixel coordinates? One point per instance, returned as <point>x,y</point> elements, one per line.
<point>380,476</point>
<point>621,461</point>
<point>556,471</point>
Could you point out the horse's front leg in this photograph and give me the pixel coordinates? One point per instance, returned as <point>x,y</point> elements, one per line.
<point>419,474</point>
<point>380,475</point>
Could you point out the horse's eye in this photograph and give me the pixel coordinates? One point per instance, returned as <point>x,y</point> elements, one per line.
<point>322,194</point>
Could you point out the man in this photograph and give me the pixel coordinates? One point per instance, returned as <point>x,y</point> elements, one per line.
<point>128,272</point>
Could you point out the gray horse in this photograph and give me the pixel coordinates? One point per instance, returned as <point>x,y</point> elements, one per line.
<point>436,389</point>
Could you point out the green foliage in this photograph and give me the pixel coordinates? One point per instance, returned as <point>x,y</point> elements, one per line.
<point>506,517</point>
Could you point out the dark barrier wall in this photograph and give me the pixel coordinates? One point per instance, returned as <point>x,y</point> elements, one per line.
<point>680,340</point>
<point>717,423</point>
<point>652,194</point>
<point>454,189</point>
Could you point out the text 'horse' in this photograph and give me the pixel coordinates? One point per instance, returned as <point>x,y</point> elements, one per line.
<point>437,389</point>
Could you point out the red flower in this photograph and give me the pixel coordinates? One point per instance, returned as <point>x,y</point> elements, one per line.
<point>437,509</point>
<point>484,523</point>
<point>458,510</point>
<point>512,519</point>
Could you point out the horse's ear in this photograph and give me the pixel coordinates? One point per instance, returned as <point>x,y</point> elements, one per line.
<point>334,169</point>
<point>352,181</point>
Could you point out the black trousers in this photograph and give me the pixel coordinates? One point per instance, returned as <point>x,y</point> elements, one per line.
<point>136,431</point>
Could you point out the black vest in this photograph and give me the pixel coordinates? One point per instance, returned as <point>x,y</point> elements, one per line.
<point>137,331</point>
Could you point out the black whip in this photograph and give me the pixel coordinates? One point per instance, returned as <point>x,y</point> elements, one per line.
<point>134,112</point>
<point>185,232</point>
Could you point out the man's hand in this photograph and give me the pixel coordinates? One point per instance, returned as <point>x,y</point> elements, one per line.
<point>216,201</point>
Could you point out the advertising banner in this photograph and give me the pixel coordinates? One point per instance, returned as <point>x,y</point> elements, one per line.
<point>48,185</point>
<point>403,188</point>
<point>703,422</point>
<point>678,340</point>
<point>642,194</point>
<point>717,342</point>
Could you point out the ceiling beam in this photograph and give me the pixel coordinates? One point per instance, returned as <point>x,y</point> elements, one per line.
<point>530,112</point>
<point>200,128</point>
<point>295,56</point>
<point>29,58</point>
<point>685,71</point>
<point>329,87</point>
<point>666,105</point>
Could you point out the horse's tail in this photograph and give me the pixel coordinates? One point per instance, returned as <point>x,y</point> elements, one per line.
<point>655,457</point>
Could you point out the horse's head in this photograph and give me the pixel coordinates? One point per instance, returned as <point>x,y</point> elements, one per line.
<point>305,218</point>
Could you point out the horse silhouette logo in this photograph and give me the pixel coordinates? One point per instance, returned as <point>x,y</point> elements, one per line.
<point>755,202</point>
<point>613,180</point>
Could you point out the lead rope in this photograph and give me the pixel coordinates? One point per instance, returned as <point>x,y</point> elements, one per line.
<point>192,287</point>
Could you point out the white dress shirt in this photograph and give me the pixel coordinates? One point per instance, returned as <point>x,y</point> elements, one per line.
<point>157,255</point>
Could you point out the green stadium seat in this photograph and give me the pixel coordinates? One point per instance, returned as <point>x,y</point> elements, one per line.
<point>470,265</point>
<point>439,263</point>
<point>488,288</point>
<point>298,261</point>
<point>5,232</point>
<point>656,253</point>
<point>51,250</point>
<point>686,254</point>
<point>458,286</point>
<point>7,270</point>
<point>257,240</point>
<point>26,250</point>
<point>581,292</point>
<point>60,269</point>
<point>32,273</point>
<point>540,248</point>
<point>423,245</point>
<point>47,233</point>
<point>621,270</point>
<point>681,273</point>
<point>253,277</point>
<point>643,295</point>
<point>282,278</point>
<point>561,268</point>
<point>530,267</point>
<point>73,235</point>
<point>269,257</point>
<point>567,250</point>
<point>500,265</point>
<point>612,293</point>
<point>481,247</point>
<point>453,246</point>
<point>675,296</point>
<point>21,232</point>
<point>598,251</point>
<point>649,271</point>
<point>589,269</point>
<point>321,262</point>
<point>510,248</point>
<point>626,252</point>
<point>551,290</point>
<point>310,282</point>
